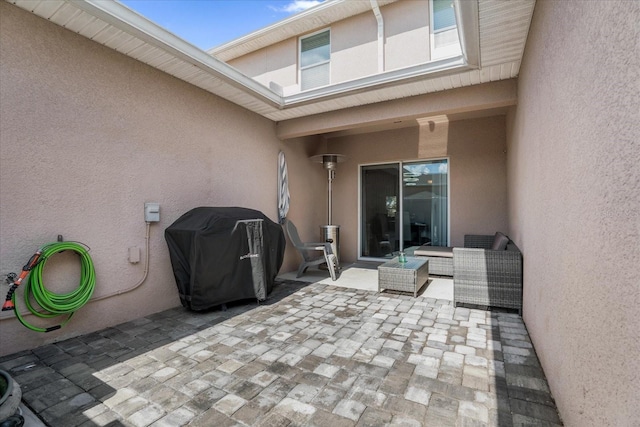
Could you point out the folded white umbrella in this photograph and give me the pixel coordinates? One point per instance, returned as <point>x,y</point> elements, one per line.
<point>283,188</point>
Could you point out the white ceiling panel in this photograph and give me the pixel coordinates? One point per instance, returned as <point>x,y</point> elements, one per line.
<point>77,22</point>
<point>106,34</point>
<point>130,46</point>
<point>504,26</point>
<point>145,52</point>
<point>47,8</point>
<point>65,14</point>
<point>119,41</point>
<point>92,28</point>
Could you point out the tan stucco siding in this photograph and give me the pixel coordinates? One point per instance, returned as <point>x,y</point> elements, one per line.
<point>406,28</point>
<point>276,63</point>
<point>354,48</point>
<point>87,136</point>
<point>574,191</point>
<point>476,152</point>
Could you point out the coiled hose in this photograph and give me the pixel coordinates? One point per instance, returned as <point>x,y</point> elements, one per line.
<point>51,303</point>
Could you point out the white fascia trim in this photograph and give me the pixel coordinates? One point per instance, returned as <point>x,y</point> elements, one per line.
<point>120,16</point>
<point>404,75</point>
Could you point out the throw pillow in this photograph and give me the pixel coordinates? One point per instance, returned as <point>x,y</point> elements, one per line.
<point>500,242</point>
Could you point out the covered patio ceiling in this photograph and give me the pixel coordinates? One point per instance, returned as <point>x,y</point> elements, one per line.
<point>495,34</point>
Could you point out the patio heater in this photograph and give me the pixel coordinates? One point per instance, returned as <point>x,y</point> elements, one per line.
<point>330,233</point>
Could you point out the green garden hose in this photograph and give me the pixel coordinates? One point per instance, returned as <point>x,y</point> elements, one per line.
<point>51,303</point>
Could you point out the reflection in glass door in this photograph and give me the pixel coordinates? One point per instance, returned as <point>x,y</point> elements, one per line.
<point>395,217</point>
<point>380,234</point>
<point>425,213</point>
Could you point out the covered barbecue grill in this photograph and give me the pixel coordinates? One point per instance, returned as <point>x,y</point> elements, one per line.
<point>224,254</point>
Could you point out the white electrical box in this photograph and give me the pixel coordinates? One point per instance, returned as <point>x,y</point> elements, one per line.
<point>134,255</point>
<point>152,212</point>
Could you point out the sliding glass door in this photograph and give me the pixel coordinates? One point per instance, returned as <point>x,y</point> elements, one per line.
<point>403,205</point>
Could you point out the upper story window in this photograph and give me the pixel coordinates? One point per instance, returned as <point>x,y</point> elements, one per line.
<point>444,17</point>
<point>444,31</point>
<point>315,56</point>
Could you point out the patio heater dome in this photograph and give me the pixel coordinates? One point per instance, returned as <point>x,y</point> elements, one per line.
<point>329,161</point>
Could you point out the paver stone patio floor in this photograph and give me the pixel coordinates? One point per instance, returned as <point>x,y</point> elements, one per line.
<point>311,355</point>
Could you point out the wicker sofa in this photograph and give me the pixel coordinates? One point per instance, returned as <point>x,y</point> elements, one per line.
<point>486,271</point>
<point>484,276</point>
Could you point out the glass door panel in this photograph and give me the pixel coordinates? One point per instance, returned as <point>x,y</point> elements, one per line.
<point>425,213</point>
<point>380,228</point>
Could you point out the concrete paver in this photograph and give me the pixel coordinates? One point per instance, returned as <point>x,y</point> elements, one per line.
<point>312,354</point>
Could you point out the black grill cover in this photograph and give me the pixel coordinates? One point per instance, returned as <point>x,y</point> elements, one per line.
<point>220,255</point>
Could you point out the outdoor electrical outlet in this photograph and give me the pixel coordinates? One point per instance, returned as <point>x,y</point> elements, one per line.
<point>152,212</point>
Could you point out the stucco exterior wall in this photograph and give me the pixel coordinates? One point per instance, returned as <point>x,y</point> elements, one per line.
<point>406,30</point>
<point>354,48</point>
<point>276,63</point>
<point>87,136</point>
<point>574,204</point>
<point>477,164</point>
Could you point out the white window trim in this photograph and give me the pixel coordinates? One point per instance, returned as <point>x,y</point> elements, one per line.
<point>301,68</point>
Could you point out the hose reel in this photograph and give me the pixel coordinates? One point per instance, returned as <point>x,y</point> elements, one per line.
<point>49,304</point>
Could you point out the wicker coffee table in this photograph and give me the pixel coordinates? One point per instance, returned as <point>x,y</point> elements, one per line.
<point>405,277</point>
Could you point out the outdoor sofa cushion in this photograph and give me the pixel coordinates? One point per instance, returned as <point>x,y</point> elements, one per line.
<point>434,251</point>
<point>500,242</point>
<point>440,259</point>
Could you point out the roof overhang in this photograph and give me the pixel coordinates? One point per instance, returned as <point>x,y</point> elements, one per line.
<point>493,33</point>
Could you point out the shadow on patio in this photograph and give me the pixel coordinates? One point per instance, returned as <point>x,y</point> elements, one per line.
<point>312,354</point>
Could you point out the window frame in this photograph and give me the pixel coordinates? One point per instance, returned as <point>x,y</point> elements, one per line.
<point>306,67</point>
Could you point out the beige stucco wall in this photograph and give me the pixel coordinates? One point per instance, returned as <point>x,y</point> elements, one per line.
<point>88,135</point>
<point>476,152</point>
<point>276,63</point>
<point>354,48</point>
<point>406,30</point>
<point>574,187</point>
